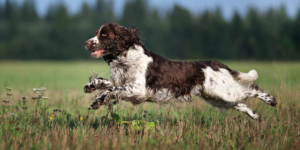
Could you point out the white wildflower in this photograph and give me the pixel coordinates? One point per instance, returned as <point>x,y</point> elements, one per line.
<point>36,89</point>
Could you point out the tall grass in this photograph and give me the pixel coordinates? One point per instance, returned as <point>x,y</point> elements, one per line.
<point>64,122</point>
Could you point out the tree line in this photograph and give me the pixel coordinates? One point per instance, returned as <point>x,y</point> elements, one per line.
<point>268,35</point>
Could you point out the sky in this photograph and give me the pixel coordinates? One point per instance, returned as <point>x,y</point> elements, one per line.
<point>195,6</point>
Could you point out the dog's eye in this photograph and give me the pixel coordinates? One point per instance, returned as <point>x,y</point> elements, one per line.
<point>104,34</point>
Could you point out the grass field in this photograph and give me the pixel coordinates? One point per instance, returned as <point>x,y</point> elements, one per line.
<point>194,125</point>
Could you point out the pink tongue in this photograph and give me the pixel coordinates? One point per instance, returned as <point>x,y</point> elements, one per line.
<point>98,52</point>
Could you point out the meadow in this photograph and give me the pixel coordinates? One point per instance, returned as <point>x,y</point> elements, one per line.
<point>63,121</point>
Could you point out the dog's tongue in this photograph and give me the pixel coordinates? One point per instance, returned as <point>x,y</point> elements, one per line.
<point>97,52</point>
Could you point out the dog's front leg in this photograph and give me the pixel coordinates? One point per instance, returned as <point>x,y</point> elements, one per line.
<point>97,84</point>
<point>131,92</point>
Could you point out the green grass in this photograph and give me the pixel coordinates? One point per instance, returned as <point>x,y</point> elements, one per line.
<point>194,125</point>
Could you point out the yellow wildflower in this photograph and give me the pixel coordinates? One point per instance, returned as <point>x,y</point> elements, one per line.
<point>51,118</point>
<point>81,118</point>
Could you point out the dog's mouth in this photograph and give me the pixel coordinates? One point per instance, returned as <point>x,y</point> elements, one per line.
<point>97,53</point>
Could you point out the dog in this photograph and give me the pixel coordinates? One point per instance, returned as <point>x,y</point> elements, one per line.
<point>138,75</point>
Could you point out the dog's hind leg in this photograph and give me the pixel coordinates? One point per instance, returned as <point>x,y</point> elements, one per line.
<point>245,109</point>
<point>233,105</point>
<point>256,92</point>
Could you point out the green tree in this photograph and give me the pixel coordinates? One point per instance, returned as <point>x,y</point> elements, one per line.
<point>213,32</point>
<point>236,36</point>
<point>181,28</point>
<point>296,35</point>
<point>1,13</point>
<point>177,35</point>
<point>28,11</point>
<point>11,15</point>
<point>255,47</point>
<point>156,34</point>
<point>135,13</point>
<point>103,12</point>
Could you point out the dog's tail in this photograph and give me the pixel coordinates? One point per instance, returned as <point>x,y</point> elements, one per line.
<point>249,77</point>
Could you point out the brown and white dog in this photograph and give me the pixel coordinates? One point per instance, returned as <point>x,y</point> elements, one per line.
<point>138,75</point>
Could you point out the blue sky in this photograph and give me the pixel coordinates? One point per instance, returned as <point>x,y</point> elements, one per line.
<point>195,6</point>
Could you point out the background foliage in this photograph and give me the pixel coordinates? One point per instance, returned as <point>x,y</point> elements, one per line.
<point>270,35</point>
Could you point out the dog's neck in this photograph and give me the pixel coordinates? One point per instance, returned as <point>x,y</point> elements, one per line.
<point>121,56</point>
<point>133,57</point>
<point>109,58</point>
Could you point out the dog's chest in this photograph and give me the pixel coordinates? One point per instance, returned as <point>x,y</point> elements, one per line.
<point>130,67</point>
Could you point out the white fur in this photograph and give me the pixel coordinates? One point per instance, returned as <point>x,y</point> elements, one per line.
<point>261,95</point>
<point>248,77</point>
<point>221,85</point>
<point>95,40</point>
<point>134,71</point>
<point>245,109</point>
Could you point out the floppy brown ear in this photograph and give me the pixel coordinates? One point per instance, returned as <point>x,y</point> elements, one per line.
<point>135,35</point>
<point>122,37</point>
<point>126,38</point>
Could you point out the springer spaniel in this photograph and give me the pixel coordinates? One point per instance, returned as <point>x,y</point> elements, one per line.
<point>138,75</point>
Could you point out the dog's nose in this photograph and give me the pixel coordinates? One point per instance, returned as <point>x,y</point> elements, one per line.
<point>87,44</point>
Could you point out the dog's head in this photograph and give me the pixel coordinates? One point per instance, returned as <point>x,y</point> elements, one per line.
<point>112,39</point>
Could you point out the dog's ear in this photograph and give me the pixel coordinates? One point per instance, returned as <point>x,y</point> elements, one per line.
<point>122,37</point>
<point>135,35</point>
<point>126,38</point>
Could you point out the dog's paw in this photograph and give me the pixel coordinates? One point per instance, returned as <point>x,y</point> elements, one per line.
<point>98,102</point>
<point>273,102</point>
<point>89,88</point>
